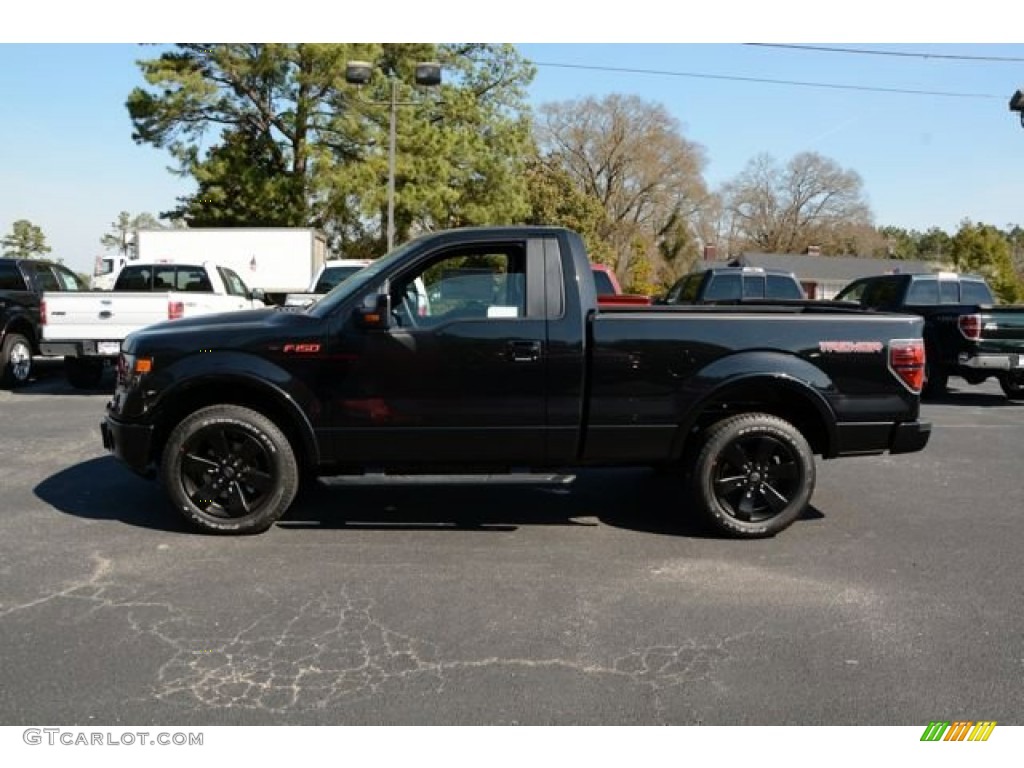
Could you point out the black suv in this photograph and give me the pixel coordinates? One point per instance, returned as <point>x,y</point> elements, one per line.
<point>22,282</point>
<point>725,285</point>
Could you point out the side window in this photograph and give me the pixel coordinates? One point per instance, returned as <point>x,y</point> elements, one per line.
<point>853,292</point>
<point>923,293</point>
<point>723,288</point>
<point>780,287</point>
<point>690,288</point>
<point>753,286</point>
<point>233,284</point>
<point>69,280</point>
<point>603,283</point>
<point>949,292</point>
<point>882,293</point>
<point>10,278</point>
<point>480,283</point>
<point>975,292</point>
<point>44,278</point>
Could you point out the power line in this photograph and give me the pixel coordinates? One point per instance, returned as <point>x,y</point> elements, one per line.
<point>806,84</point>
<point>908,54</point>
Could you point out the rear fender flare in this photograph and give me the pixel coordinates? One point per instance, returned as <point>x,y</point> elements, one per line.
<point>767,371</point>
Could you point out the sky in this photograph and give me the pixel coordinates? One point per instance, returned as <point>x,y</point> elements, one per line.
<point>931,137</point>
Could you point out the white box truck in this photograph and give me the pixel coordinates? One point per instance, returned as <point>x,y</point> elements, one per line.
<point>280,260</point>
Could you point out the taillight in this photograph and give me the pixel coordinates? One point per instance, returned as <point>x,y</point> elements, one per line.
<point>970,326</point>
<point>175,310</point>
<point>42,312</point>
<point>906,359</point>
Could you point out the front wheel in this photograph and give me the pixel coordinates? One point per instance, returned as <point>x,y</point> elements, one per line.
<point>17,361</point>
<point>229,469</point>
<point>754,475</point>
<point>1013,385</point>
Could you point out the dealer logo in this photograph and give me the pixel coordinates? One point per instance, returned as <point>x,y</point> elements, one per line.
<point>960,730</point>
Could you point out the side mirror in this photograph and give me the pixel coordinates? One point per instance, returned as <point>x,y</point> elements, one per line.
<point>258,294</point>
<point>375,312</point>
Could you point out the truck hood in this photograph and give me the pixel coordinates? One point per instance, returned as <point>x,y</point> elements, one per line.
<point>247,329</point>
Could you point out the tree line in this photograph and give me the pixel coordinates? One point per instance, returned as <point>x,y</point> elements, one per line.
<point>272,135</point>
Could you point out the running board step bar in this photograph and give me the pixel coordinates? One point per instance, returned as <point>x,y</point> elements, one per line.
<point>381,478</point>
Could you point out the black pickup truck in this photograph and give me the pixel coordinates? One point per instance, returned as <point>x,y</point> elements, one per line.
<point>964,333</point>
<point>22,282</point>
<point>485,350</point>
<point>734,285</point>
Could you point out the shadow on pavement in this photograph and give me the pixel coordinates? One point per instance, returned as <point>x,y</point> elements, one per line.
<point>961,393</point>
<point>631,499</point>
<point>48,379</point>
<point>102,489</point>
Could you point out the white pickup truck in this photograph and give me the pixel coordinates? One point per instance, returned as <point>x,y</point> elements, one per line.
<point>87,327</point>
<point>331,273</point>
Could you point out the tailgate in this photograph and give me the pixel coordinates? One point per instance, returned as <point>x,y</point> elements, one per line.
<point>1002,333</point>
<point>101,315</point>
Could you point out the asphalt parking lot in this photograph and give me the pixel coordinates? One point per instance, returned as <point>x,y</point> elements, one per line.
<point>896,601</point>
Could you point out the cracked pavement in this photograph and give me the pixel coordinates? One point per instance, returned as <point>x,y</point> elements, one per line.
<point>895,603</point>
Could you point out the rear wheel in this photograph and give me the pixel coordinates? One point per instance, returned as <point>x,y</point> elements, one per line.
<point>83,372</point>
<point>229,469</point>
<point>17,361</point>
<point>754,475</point>
<point>1013,385</point>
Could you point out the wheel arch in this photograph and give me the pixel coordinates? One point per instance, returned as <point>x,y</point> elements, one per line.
<point>247,392</point>
<point>23,326</point>
<point>776,394</point>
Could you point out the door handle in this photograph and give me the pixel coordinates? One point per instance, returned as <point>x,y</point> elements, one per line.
<point>523,351</point>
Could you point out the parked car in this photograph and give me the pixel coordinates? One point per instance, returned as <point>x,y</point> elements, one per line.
<point>87,327</point>
<point>725,285</point>
<point>965,333</point>
<point>330,275</point>
<point>609,292</point>
<point>22,282</point>
<point>277,260</point>
<point>231,410</point>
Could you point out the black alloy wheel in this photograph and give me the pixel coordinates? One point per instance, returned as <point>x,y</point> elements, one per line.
<point>229,469</point>
<point>227,472</point>
<point>754,475</point>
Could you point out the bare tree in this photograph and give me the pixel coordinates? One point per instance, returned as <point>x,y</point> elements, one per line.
<point>811,201</point>
<point>630,155</point>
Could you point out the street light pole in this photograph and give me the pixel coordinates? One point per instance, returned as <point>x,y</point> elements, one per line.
<point>391,163</point>
<point>428,73</point>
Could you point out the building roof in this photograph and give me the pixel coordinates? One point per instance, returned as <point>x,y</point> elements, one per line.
<point>808,267</point>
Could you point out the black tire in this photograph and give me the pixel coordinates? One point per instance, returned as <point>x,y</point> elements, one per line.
<point>83,372</point>
<point>229,469</point>
<point>754,475</point>
<point>936,380</point>
<point>1013,386</point>
<point>17,361</point>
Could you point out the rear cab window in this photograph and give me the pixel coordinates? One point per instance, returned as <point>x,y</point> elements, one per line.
<point>723,288</point>
<point>780,287</point>
<point>11,278</point>
<point>975,292</point>
<point>923,292</point>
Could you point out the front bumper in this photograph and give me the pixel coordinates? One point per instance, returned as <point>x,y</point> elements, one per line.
<point>130,443</point>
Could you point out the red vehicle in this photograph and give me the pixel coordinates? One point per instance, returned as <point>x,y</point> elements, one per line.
<point>609,292</point>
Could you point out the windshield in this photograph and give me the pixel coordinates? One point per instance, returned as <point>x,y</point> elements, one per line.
<point>364,277</point>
